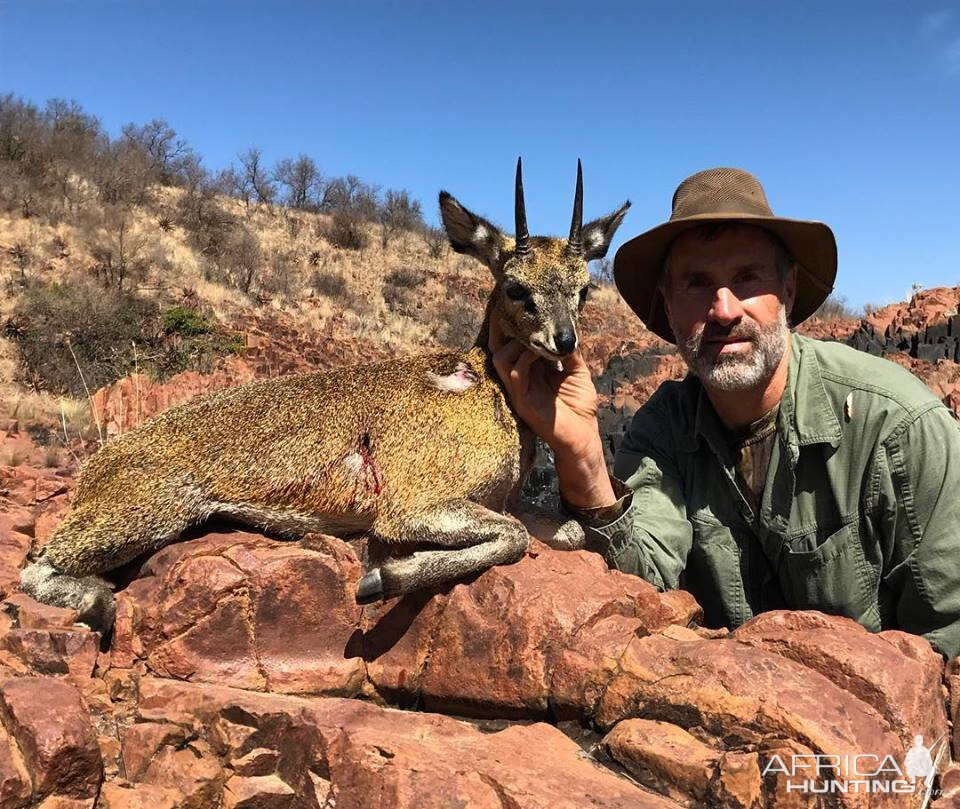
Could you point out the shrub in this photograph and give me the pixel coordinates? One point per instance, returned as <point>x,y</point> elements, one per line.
<point>185,322</point>
<point>346,231</point>
<point>404,278</point>
<point>58,327</point>
<point>331,284</point>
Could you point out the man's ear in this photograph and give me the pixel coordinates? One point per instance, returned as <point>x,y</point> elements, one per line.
<point>598,234</point>
<point>470,234</point>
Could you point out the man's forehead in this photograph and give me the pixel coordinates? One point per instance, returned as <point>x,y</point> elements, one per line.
<point>732,247</point>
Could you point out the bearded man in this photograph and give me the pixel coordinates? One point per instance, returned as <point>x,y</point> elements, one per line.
<point>783,472</point>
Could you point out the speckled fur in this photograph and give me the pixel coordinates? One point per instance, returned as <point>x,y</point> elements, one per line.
<point>378,448</point>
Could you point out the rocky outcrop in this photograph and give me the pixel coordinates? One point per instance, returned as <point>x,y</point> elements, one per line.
<point>241,673</point>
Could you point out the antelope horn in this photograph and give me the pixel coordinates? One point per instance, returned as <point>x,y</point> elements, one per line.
<point>575,242</point>
<point>520,214</point>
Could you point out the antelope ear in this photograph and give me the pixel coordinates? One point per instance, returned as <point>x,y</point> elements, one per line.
<point>470,234</point>
<point>598,234</point>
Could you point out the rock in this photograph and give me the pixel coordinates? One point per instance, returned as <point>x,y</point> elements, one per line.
<point>243,610</point>
<point>15,784</point>
<point>846,654</point>
<point>739,698</point>
<point>664,757</point>
<point>138,796</point>
<point>259,761</point>
<point>63,802</point>
<point>493,649</point>
<point>950,779</point>
<point>53,729</point>
<point>71,652</point>
<point>367,757</point>
<point>192,772</point>
<point>31,614</point>
<point>141,742</point>
<point>257,792</point>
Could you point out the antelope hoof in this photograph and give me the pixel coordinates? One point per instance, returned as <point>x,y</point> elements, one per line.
<point>370,587</point>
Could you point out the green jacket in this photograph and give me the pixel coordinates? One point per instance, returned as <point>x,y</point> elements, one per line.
<point>860,515</point>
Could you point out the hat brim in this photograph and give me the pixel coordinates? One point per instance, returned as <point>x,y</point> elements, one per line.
<point>638,264</point>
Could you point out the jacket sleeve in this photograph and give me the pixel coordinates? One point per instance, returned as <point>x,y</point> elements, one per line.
<point>652,537</point>
<point>919,489</point>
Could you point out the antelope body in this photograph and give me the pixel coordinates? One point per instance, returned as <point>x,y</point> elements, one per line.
<point>424,453</point>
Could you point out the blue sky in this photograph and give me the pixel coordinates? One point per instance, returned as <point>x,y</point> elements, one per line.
<point>847,112</point>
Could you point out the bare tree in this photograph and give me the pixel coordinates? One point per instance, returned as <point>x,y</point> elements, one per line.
<point>166,154</point>
<point>398,212</point>
<point>254,177</point>
<point>120,257</point>
<point>302,180</point>
<point>350,194</point>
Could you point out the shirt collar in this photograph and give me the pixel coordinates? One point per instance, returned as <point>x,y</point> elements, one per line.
<point>814,417</point>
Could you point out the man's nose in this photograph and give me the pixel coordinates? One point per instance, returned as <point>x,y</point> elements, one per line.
<point>726,307</point>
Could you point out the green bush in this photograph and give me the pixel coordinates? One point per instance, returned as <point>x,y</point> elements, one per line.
<point>185,322</point>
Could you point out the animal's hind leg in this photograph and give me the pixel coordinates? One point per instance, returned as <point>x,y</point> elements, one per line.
<point>100,534</point>
<point>90,596</point>
<point>478,538</point>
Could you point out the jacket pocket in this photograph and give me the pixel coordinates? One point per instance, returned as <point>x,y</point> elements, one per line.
<point>829,575</point>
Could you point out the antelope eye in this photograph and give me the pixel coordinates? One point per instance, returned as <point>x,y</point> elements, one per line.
<point>515,291</point>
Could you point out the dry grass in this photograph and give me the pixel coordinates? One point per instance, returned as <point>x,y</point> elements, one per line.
<point>293,251</point>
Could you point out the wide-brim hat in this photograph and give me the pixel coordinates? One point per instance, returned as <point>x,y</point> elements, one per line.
<point>723,195</point>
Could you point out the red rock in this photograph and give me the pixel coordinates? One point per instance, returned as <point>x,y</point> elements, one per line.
<point>138,796</point>
<point>49,518</point>
<point>64,802</point>
<point>664,757</point>
<point>15,784</point>
<point>741,695</point>
<point>950,779</point>
<point>847,654</point>
<point>53,729</point>
<point>247,611</point>
<point>367,757</point>
<point>193,772</point>
<point>16,521</point>
<point>71,652</point>
<point>14,547</point>
<point>739,784</point>
<point>493,647</point>
<point>32,614</point>
<point>257,792</point>
<point>259,761</point>
<point>141,742</point>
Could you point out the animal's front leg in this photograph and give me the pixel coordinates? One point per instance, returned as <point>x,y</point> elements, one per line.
<point>478,538</point>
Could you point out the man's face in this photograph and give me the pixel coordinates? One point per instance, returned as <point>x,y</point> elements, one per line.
<point>727,305</point>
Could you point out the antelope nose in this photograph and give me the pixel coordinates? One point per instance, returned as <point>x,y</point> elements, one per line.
<point>565,340</point>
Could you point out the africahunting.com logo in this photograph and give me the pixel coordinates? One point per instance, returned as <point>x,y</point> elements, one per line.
<point>860,772</point>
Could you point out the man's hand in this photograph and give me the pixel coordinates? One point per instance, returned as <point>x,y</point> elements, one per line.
<point>560,406</point>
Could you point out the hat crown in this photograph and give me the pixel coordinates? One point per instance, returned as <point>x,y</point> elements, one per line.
<point>720,191</point>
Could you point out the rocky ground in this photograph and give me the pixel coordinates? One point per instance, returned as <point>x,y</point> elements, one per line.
<point>242,674</point>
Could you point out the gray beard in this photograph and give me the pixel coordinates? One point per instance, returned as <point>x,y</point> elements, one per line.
<point>735,372</point>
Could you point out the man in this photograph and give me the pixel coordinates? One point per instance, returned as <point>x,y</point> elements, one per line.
<point>783,472</point>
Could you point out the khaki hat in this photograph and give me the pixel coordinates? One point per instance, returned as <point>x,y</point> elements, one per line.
<point>723,195</point>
